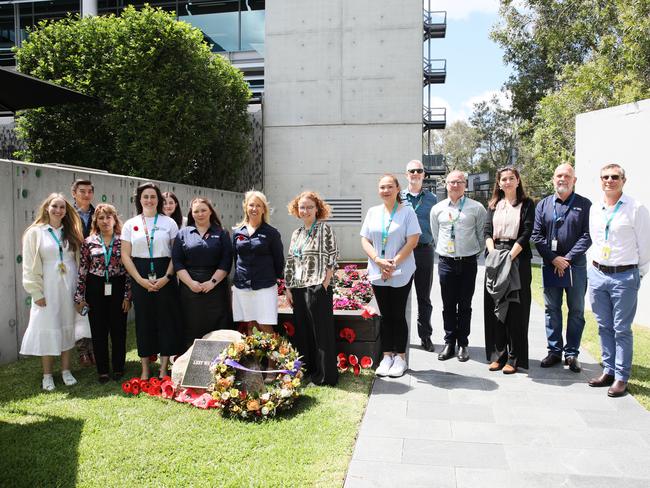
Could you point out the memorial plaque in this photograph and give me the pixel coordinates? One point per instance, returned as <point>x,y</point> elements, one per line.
<point>197,374</point>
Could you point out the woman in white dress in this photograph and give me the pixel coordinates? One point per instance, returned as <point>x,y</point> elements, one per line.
<point>50,252</point>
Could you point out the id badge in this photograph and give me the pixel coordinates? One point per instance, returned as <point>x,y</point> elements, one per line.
<point>62,268</point>
<point>606,252</point>
<point>108,289</point>
<point>152,277</point>
<point>298,274</point>
<point>554,245</point>
<point>451,247</point>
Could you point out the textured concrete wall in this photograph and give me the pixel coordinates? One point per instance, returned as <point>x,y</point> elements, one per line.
<point>342,102</point>
<point>23,186</point>
<point>616,135</point>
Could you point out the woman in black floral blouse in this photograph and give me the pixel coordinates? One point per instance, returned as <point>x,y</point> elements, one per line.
<point>308,273</point>
<point>105,290</point>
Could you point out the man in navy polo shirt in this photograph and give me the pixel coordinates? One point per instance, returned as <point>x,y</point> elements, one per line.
<point>561,235</point>
<point>422,201</point>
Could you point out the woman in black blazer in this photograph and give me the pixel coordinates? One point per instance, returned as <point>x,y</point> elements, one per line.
<point>509,225</point>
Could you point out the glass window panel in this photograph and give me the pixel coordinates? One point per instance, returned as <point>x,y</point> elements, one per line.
<point>252,30</point>
<point>7,35</point>
<point>218,20</point>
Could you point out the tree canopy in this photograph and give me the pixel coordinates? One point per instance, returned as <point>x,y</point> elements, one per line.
<point>169,109</point>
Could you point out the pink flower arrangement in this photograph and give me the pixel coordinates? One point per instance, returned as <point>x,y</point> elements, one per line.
<point>346,303</point>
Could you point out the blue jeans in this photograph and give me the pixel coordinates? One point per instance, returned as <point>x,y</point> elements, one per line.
<point>575,298</point>
<point>613,300</point>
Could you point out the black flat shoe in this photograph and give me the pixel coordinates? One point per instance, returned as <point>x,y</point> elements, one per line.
<point>447,353</point>
<point>427,345</point>
<point>463,354</point>
<point>573,363</point>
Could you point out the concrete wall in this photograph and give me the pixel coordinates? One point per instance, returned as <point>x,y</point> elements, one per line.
<point>343,98</point>
<point>23,186</point>
<point>617,135</point>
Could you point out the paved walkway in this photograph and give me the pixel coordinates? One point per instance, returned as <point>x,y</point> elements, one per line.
<point>452,424</point>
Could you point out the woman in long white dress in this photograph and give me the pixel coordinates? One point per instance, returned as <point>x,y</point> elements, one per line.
<point>50,249</point>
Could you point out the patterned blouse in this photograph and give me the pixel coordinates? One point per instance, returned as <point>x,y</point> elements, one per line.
<point>92,261</point>
<point>310,256</point>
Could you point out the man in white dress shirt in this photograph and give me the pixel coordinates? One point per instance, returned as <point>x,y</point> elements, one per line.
<point>619,258</point>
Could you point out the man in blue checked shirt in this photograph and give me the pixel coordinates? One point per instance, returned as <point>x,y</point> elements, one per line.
<point>561,235</point>
<point>422,201</point>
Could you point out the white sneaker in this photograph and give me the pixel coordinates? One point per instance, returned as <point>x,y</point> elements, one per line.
<point>384,366</point>
<point>398,368</point>
<point>48,383</point>
<point>68,379</point>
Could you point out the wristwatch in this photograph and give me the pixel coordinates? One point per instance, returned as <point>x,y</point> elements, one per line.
<point>214,281</point>
<point>169,276</point>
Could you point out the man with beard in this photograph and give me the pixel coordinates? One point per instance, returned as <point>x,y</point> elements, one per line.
<point>561,236</point>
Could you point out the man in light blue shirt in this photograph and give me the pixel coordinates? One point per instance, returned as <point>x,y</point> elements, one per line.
<point>422,201</point>
<point>457,228</point>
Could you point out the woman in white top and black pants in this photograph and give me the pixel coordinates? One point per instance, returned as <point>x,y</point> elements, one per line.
<point>147,241</point>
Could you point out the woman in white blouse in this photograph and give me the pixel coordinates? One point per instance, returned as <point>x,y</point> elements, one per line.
<point>147,241</point>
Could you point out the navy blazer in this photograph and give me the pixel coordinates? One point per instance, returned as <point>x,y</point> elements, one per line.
<point>259,259</point>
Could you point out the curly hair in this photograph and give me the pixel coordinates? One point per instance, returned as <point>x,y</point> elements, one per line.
<point>323,210</point>
<point>108,209</point>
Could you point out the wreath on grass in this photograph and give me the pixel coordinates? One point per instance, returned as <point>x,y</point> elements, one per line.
<point>265,399</point>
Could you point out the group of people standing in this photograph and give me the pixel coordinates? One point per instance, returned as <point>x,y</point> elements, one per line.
<point>581,244</point>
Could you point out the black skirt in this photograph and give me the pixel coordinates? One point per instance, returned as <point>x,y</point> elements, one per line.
<point>157,314</point>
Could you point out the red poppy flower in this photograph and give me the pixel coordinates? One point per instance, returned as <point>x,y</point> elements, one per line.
<point>135,228</point>
<point>241,238</point>
<point>153,358</point>
<point>135,389</point>
<point>144,386</point>
<point>366,362</point>
<point>356,370</point>
<point>353,360</point>
<point>154,390</point>
<point>154,381</point>
<point>348,334</point>
<point>165,378</point>
<point>289,328</point>
<point>341,355</point>
<point>342,363</point>
<point>126,387</point>
<point>167,389</point>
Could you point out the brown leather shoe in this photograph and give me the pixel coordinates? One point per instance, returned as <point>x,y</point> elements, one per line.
<point>617,389</point>
<point>509,369</point>
<point>495,366</point>
<point>602,380</point>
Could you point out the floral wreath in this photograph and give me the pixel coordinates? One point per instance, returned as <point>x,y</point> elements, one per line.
<point>230,394</point>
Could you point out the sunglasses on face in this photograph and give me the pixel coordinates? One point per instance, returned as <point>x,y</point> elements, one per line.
<point>418,171</point>
<point>610,177</point>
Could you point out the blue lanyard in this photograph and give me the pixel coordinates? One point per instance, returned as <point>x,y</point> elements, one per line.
<point>107,253</point>
<point>58,242</point>
<point>557,219</point>
<point>150,241</point>
<point>611,217</point>
<point>453,221</point>
<point>419,200</point>
<point>386,228</point>
<point>298,253</point>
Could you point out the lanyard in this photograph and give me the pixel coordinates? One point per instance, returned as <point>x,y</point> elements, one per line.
<point>453,221</point>
<point>385,228</point>
<point>419,201</point>
<point>557,219</point>
<point>150,241</point>
<point>295,251</point>
<point>58,243</point>
<point>611,217</point>
<point>107,253</point>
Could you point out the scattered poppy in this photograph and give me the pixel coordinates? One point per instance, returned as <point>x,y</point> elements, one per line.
<point>289,328</point>
<point>366,362</point>
<point>353,360</point>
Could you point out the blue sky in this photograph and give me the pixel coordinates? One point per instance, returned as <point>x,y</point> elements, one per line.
<point>475,68</point>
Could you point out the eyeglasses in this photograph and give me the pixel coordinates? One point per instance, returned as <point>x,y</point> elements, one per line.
<point>418,171</point>
<point>456,182</point>
<point>305,209</point>
<point>610,177</point>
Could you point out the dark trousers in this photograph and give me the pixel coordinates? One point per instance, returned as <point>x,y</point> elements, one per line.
<point>457,280</point>
<point>315,333</point>
<point>107,320</point>
<point>393,327</point>
<point>157,314</point>
<point>423,278</point>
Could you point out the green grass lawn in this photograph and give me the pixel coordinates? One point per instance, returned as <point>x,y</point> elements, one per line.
<point>94,435</point>
<point>639,384</point>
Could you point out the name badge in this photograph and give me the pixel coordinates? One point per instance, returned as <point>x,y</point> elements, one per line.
<point>554,245</point>
<point>451,247</point>
<point>152,277</point>
<point>606,252</point>
<point>298,274</point>
<point>108,289</point>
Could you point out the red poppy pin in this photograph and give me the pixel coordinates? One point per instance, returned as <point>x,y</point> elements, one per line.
<point>135,228</point>
<point>241,237</point>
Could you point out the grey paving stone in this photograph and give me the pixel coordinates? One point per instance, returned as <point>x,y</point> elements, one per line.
<point>629,420</point>
<point>370,448</point>
<point>411,428</point>
<point>573,400</point>
<point>537,416</point>
<point>495,398</point>
<point>494,478</point>
<point>368,474</point>
<point>590,462</point>
<point>452,453</point>
<point>429,410</point>
<point>382,407</point>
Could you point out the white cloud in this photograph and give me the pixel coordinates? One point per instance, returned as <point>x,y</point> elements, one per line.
<point>466,107</point>
<point>461,9</point>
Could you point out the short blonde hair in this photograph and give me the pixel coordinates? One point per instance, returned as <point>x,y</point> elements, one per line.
<point>108,209</point>
<point>266,215</point>
<point>323,210</point>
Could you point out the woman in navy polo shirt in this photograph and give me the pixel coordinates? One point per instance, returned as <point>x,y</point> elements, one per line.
<point>202,257</point>
<point>259,262</point>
